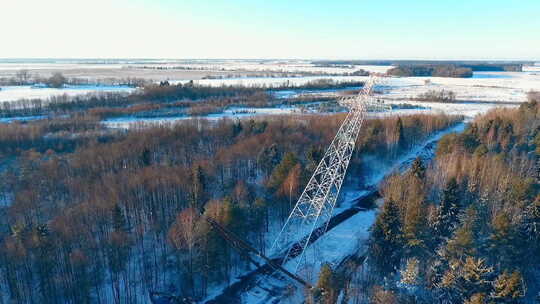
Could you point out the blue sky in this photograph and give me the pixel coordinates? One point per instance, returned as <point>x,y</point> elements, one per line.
<point>271,29</point>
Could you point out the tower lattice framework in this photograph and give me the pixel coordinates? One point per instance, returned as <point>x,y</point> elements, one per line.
<point>310,216</point>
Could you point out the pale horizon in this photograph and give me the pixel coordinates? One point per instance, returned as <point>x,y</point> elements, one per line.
<point>142,29</point>
<point>536,60</point>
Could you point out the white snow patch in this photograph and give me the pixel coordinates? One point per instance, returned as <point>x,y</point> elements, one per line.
<point>345,239</point>
<point>505,87</point>
<point>21,118</point>
<point>532,68</point>
<point>232,113</point>
<point>14,93</point>
<point>271,81</point>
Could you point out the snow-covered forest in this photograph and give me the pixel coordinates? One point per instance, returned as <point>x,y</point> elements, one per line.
<point>97,206</point>
<point>93,216</point>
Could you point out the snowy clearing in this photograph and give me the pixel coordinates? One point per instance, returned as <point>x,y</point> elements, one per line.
<point>506,87</point>
<point>477,95</point>
<point>272,81</point>
<point>13,93</point>
<point>232,113</point>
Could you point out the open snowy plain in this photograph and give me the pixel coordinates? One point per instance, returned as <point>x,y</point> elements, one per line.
<point>476,95</point>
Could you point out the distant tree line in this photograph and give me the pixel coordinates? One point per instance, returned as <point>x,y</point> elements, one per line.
<point>196,99</point>
<point>57,80</point>
<point>476,66</point>
<point>499,67</point>
<point>445,96</point>
<point>430,70</point>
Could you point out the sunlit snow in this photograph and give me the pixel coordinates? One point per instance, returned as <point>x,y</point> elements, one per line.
<point>13,93</point>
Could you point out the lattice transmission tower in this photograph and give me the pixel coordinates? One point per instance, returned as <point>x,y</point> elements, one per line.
<point>310,216</point>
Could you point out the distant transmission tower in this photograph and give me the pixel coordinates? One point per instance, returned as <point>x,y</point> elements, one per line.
<point>310,217</point>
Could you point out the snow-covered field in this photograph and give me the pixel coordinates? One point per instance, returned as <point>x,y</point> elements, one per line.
<point>17,66</point>
<point>170,69</point>
<point>491,89</point>
<point>477,95</point>
<point>289,66</point>
<point>271,81</point>
<point>232,113</point>
<point>532,68</point>
<point>20,118</point>
<point>13,93</point>
<point>485,86</point>
<point>469,109</point>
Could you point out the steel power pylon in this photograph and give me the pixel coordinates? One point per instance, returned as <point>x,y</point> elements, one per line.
<point>310,216</point>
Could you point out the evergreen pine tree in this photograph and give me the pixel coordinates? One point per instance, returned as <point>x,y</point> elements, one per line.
<point>237,128</point>
<point>415,226</point>
<point>281,171</point>
<point>531,223</point>
<point>531,230</point>
<point>477,298</point>
<point>146,157</point>
<point>537,165</point>
<point>508,288</point>
<point>268,158</point>
<point>410,275</point>
<point>399,134</point>
<point>387,239</point>
<point>326,292</point>
<point>462,243</point>
<point>448,211</point>
<point>118,219</point>
<point>504,241</point>
<point>314,156</point>
<point>381,296</point>
<point>464,279</point>
<point>198,187</point>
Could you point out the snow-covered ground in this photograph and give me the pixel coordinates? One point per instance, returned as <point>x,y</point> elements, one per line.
<point>289,66</point>
<point>344,240</point>
<point>20,118</point>
<point>17,66</point>
<point>469,109</point>
<point>485,86</point>
<point>170,69</point>
<point>232,113</point>
<point>492,89</point>
<point>477,95</point>
<point>492,86</point>
<point>271,81</point>
<point>532,68</point>
<point>294,93</point>
<point>13,93</point>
